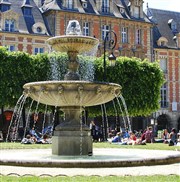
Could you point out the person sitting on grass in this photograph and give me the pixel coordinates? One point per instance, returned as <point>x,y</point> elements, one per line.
<point>165,136</point>
<point>132,139</point>
<point>173,137</point>
<point>117,138</point>
<point>27,140</point>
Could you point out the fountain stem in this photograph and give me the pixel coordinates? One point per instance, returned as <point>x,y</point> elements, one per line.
<point>73,65</point>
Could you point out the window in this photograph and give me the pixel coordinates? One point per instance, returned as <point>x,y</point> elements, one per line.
<point>39,29</point>
<point>174,25</point>
<point>164,96</point>
<point>10,47</point>
<point>105,6</point>
<point>38,50</point>
<point>105,29</point>
<point>86,29</point>
<point>5,7</point>
<point>163,65</point>
<point>9,25</point>
<point>124,34</point>
<point>138,36</point>
<point>27,11</point>
<point>69,4</point>
<point>84,4</point>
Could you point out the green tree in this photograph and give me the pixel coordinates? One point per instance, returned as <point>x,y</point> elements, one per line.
<point>140,80</point>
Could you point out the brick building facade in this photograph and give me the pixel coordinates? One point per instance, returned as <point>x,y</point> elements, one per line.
<point>27,24</point>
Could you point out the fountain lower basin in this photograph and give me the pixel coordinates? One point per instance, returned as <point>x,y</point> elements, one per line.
<point>72,93</point>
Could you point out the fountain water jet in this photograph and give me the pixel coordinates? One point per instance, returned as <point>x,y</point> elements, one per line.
<point>72,95</point>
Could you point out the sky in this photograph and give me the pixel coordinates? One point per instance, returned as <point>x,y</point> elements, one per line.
<point>171,5</point>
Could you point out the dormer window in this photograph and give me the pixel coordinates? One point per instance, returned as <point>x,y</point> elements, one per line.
<point>39,28</point>
<point>162,42</point>
<point>84,3</point>
<point>172,24</point>
<point>5,7</point>
<point>27,11</point>
<point>9,25</point>
<point>10,21</point>
<point>105,6</point>
<point>27,8</point>
<point>69,4</point>
<point>121,10</point>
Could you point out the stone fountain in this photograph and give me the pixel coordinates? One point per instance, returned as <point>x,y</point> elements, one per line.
<point>72,95</point>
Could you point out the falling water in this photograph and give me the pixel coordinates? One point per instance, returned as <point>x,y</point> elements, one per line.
<point>60,91</point>
<point>103,122</point>
<point>36,110</point>
<point>126,110</point>
<point>53,120</point>
<point>80,92</point>
<point>44,120</point>
<point>116,113</point>
<point>104,115</point>
<point>124,121</point>
<point>58,66</point>
<point>14,115</point>
<point>27,118</point>
<point>16,125</point>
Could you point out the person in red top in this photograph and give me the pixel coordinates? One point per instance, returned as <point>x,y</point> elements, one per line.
<point>132,139</point>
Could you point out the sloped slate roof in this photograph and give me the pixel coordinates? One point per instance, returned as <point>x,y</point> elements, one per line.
<point>162,28</point>
<point>26,23</point>
<point>91,8</point>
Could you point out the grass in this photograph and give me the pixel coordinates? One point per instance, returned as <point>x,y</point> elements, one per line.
<point>149,146</point>
<point>157,178</point>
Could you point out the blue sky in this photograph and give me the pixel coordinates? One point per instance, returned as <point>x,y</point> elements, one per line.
<point>171,5</point>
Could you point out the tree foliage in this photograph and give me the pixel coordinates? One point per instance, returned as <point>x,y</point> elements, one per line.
<point>140,80</point>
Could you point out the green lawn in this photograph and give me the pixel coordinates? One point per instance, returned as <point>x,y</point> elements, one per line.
<point>157,178</point>
<point>154,146</point>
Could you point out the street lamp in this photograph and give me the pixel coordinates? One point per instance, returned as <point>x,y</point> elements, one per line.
<point>112,45</point>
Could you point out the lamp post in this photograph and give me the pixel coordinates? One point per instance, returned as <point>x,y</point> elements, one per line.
<point>112,44</point>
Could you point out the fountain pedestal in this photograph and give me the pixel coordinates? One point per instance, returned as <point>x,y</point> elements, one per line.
<point>72,137</point>
<point>72,143</point>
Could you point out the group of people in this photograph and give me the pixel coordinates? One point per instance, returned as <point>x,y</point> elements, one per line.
<point>34,137</point>
<point>170,138</point>
<point>130,138</point>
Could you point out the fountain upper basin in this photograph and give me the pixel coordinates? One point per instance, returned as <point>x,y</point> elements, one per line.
<point>72,93</point>
<point>73,43</point>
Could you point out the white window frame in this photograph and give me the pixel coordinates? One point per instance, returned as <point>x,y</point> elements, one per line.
<point>9,25</point>
<point>138,36</point>
<point>163,65</point>
<point>105,29</point>
<point>105,6</point>
<point>10,48</point>
<point>86,28</point>
<point>69,4</point>
<point>38,50</point>
<point>124,35</point>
